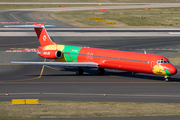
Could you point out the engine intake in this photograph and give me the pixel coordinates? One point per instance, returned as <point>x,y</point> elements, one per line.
<point>50,54</point>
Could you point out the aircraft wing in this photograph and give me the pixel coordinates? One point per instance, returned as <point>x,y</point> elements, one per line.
<point>63,64</point>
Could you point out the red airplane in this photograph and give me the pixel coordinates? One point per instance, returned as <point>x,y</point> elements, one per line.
<point>74,56</point>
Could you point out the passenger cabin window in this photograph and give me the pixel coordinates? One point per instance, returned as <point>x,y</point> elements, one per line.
<point>162,61</point>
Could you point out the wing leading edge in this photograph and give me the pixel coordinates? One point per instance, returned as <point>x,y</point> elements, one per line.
<point>63,64</point>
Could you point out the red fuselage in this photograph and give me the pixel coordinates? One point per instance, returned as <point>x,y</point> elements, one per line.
<point>128,61</point>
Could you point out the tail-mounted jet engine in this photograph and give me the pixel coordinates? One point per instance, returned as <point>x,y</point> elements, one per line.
<point>50,54</point>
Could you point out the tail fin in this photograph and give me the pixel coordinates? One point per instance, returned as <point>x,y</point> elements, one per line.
<point>42,35</point>
<point>41,32</point>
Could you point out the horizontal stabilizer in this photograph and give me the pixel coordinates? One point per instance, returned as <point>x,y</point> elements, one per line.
<point>29,26</point>
<point>40,30</point>
<point>64,64</point>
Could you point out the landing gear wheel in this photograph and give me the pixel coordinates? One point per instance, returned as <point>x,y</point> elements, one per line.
<point>79,72</point>
<point>100,71</point>
<point>166,79</point>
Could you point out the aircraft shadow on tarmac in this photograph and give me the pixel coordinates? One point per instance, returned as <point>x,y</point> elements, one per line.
<point>93,72</point>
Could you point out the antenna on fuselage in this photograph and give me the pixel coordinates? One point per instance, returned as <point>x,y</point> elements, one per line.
<point>144,52</point>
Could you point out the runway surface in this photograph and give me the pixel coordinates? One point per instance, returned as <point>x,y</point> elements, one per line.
<point>143,5</point>
<point>30,16</point>
<point>55,83</point>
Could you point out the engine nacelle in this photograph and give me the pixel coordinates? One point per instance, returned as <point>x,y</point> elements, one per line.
<point>50,54</point>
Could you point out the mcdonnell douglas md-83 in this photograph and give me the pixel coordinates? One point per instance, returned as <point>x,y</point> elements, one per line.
<point>74,56</point>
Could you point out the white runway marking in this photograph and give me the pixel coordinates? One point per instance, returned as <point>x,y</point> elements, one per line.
<point>174,33</point>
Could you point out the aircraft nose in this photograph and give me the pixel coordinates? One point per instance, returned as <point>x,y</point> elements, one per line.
<point>173,70</point>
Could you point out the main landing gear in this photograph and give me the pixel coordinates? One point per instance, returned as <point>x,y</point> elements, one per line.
<point>166,78</point>
<point>100,71</point>
<point>79,71</point>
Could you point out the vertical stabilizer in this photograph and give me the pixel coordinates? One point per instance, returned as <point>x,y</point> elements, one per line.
<point>42,35</point>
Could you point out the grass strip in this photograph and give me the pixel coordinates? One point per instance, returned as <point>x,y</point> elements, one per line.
<point>175,60</point>
<point>71,109</point>
<point>124,18</point>
<point>128,1</point>
<point>26,6</point>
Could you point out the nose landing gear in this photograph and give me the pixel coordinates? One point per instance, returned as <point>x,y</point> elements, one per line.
<point>166,78</point>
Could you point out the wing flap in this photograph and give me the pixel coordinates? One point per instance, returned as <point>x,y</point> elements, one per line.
<point>64,64</point>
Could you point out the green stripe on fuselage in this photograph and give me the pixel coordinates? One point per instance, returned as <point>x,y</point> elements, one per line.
<point>71,53</point>
<point>168,73</point>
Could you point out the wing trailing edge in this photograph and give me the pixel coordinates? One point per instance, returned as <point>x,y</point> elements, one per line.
<point>63,64</point>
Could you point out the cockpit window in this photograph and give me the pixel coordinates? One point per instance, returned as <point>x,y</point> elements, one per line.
<point>162,61</point>
<point>166,61</point>
<point>159,62</point>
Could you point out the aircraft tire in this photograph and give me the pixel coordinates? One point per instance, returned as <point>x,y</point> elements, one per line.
<point>100,71</point>
<point>79,72</point>
<point>167,80</point>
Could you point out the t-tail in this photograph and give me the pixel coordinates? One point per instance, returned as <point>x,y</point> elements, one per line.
<point>40,30</point>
